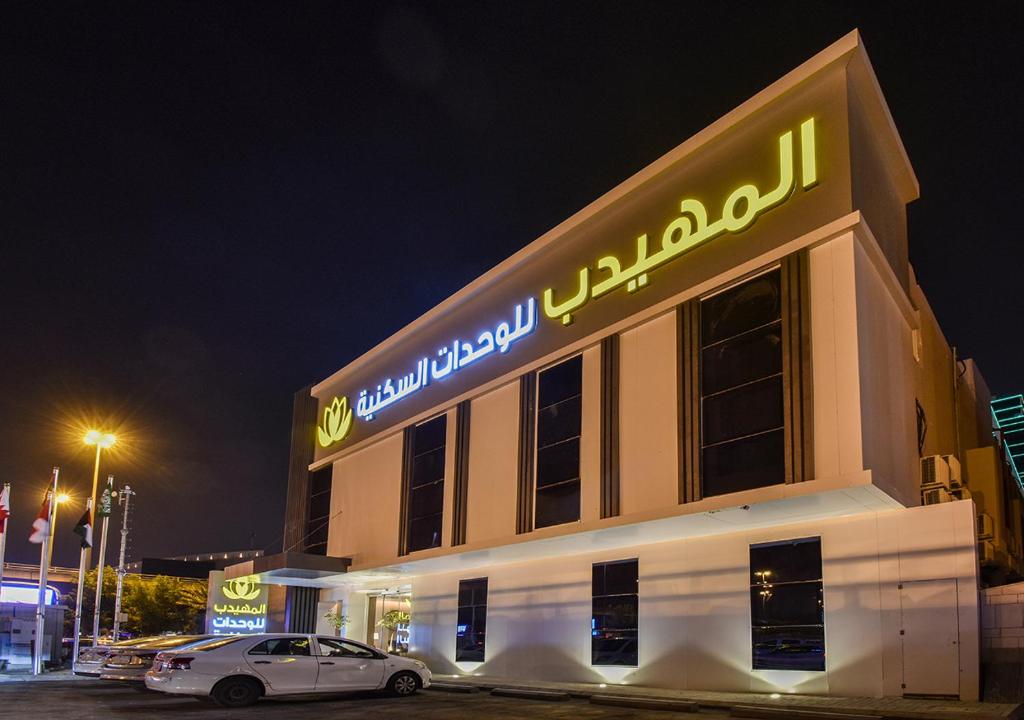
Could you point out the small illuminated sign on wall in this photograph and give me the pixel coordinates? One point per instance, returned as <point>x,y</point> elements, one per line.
<point>27,593</point>
<point>337,422</point>
<point>237,607</point>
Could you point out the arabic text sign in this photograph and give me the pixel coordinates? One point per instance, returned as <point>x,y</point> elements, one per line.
<point>460,354</point>
<point>768,179</point>
<point>739,211</point>
<point>236,607</point>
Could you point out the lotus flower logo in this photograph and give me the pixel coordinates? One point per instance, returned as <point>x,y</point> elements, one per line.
<point>337,422</point>
<point>241,589</point>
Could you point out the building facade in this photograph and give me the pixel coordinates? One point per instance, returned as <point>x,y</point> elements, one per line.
<point>675,441</point>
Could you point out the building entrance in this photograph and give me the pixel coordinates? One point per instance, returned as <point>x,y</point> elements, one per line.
<point>388,616</point>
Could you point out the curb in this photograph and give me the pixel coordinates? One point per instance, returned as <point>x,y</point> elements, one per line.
<point>645,703</point>
<point>554,695</point>
<point>450,687</point>
<point>759,711</point>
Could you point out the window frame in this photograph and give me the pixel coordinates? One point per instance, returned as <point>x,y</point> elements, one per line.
<point>796,437</point>
<point>820,582</point>
<point>374,653</point>
<point>536,441</point>
<point>407,490</point>
<point>289,639</point>
<point>594,597</point>
<point>458,609</point>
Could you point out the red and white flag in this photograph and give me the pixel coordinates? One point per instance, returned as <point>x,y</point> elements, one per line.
<point>41,525</point>
<point>5,507</point>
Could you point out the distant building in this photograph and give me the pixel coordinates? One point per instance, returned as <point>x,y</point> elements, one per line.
<point>190,566</point>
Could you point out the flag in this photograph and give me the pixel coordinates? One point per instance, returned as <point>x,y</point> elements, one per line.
<point>5,507</point>
<point>41,525</point>
<point>83,528</point>
<point>106,499</point>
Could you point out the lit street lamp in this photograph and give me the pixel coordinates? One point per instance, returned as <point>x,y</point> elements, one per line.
<point>102,441</point>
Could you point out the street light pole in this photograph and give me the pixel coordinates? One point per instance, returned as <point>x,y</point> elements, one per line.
<point>101,440</point>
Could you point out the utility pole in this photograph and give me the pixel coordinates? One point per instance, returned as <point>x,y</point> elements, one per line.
<point>125,497</point>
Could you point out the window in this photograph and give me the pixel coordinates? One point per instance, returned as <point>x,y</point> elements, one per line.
<point>787,608</point>
<point>613,624</point>
<point>334,647</point>
<point>318,511</point>
<point>282,646</point>
<point>559,422</point>
<point>426,484</point>
<point>472,621</point>
<point>741,387</point>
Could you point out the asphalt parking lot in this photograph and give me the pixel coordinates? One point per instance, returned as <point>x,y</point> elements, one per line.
<point>87,699</point>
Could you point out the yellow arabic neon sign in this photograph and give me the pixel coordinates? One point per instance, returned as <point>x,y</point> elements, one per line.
<point>337,422</point>
<point>743,206</point>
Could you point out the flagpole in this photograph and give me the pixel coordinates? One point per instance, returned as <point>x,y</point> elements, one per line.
<point>44,568</point>
<point>126,496</point>
<point>104,508</point>
<point>83,560</point>
<point>5,492</point>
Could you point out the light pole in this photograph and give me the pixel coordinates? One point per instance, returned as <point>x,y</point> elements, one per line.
<point>101,440</point>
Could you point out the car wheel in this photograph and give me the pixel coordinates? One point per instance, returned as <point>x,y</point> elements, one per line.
<point>403,684</point>
<point>236,692</point>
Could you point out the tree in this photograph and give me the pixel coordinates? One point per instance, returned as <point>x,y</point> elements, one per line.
<point>154,604</point>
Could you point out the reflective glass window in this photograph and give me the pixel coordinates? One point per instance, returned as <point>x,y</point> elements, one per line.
<point>559,423</point>
<point>787,605</point>
<point>741,388</point>
<point>426,484</point>
<point>615,609</point>
<point>471,629</point>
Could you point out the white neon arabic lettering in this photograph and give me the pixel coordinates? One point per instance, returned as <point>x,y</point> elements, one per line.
<point>450,359</point>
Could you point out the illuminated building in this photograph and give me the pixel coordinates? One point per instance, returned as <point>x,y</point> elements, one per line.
<point>676,441</point>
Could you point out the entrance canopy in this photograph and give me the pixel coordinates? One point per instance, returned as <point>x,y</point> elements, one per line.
<point>289,568</point>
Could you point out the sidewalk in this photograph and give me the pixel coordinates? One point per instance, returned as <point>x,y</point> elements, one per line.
<point>889,707</point>
<point>25,675</point>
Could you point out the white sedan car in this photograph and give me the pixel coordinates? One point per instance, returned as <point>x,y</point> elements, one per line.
<point>237,670</point>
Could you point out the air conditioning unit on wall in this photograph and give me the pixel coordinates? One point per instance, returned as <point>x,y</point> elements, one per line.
<point>986,552</point>
<point>934,496</point>
<point>940,470</point>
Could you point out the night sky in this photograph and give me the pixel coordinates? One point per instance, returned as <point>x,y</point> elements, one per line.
<point>206,206</point>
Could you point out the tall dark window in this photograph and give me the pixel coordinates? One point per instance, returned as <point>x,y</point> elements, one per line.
<point>426,484</point>
<point>787,607</point>
<point>559,418</point>
<point>318,511</point>
<point>613,625</point>
<point>472,621</point>
<point>742,421</point>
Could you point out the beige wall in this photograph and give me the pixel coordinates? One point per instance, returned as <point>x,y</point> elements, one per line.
<point>834,359</point>
<point>695,608</point>
<point>365,503</point>
<point>648,416</point>
<point>888,417</point>
<point>934,385</point>
<point>493,465</point>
